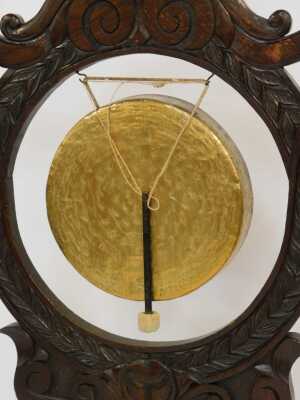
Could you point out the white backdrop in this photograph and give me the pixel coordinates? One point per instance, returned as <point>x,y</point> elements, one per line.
<point>235,287</point>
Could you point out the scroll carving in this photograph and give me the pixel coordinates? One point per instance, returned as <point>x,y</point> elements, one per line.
<point>100,23</point>
<point>278,25</point>
<point>169,23</point>
<point>33,378</point>
<point>274,380</point>
<point>207,392</point>
<point>183,24</point>
<point>38,377</point>
<point>15,29</point>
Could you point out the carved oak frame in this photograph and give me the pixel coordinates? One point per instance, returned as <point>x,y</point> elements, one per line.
<point>254,354</point>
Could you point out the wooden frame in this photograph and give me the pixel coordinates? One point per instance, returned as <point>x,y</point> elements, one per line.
<point>251,357</point>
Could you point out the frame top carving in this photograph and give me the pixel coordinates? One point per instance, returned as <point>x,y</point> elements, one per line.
<point>96,26</point>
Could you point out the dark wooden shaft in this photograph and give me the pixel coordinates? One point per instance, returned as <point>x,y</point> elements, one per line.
<point>147,254</point>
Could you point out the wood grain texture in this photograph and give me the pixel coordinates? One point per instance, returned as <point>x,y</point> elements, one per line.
<point>38,377</point>
<point>246,51</point>
<point>99,25</point>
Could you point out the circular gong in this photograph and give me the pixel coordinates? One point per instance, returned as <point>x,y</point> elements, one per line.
<point>205,198</point>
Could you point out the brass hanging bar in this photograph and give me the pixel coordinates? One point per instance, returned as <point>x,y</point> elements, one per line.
<point>142,80</point>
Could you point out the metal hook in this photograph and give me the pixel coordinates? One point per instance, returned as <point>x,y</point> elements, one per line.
<point>209,79</point>
<point>85,77</point>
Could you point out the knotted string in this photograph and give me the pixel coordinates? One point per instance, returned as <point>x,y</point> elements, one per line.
<point>153,202</point>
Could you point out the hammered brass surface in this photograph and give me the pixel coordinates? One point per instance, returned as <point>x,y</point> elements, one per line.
<point>205,199</point>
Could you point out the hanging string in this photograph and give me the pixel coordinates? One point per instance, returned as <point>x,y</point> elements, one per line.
<point>153,202</point>
<point>123,166</point>
<point>174,147</point>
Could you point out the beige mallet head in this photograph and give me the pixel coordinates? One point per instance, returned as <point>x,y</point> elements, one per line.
<point>149,322</point>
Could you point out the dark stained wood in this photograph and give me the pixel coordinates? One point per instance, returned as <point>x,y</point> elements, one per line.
<point>63,357</point>
<point>49,376</point>
<point>257,41</point>
<point>277,25</point>
<point>276,53</point>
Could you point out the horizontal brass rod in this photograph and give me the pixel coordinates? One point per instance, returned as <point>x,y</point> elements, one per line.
<point>160,81</point>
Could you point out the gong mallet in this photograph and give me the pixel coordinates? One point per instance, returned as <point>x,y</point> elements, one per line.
<point>149,320</point>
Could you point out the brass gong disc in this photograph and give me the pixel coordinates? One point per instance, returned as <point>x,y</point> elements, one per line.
<point>205,198</point>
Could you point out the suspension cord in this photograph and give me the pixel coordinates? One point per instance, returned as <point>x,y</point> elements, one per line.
<point>153,202</point>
